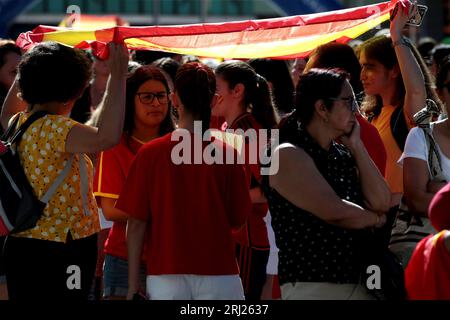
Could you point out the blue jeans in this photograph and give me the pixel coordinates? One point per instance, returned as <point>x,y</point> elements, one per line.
<point>115,277</point>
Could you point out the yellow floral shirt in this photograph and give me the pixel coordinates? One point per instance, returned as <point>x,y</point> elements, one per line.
<point>42,154</point>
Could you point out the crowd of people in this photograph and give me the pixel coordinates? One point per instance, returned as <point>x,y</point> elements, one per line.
<point>363,149</point>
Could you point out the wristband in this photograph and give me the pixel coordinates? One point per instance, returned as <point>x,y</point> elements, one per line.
<point>401,42</point>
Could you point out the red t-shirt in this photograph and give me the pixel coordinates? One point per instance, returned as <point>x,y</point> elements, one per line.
<point>427,276</point>
<point>216,122</point>
<point>110,175</point>
<point>373,143</point>
<point>255,232</point>
<point>190,209</point>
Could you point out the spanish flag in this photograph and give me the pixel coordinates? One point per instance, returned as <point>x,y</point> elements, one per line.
<point>282,38</point>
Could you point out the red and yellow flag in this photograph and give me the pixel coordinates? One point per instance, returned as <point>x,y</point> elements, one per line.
<point>286,37</point>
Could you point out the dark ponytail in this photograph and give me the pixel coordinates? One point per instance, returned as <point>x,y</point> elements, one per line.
<point>262,106</point>
<point>257,96</point>
<point>195,85</point>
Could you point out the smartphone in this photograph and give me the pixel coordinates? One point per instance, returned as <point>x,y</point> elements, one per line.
<point>417,19</point>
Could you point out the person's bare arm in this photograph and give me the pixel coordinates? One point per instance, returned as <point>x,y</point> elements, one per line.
<point>299,181</point>
<point>415,181</point>
<point>409,67</point>
<point>110,212</point>
<point>87,139</point>
<point>375,189</point>
<point>135,239</point>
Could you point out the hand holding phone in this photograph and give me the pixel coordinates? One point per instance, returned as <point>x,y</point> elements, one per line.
<point>417,17</point>
<point>414,12</point>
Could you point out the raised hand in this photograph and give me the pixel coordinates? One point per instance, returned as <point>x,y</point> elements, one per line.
<point>118,58</point>
<point>403,10</point>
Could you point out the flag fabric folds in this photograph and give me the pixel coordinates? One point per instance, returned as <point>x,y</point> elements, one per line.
<point>282,38</point>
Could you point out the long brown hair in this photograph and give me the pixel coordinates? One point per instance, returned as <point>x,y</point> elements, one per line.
<point>380,49</point>
<point>195,85</point>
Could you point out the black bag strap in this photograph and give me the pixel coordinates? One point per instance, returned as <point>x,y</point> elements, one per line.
<point>11,128</point>
<point>434,158</point>
<point>18,134</point>
<point>399,128</point>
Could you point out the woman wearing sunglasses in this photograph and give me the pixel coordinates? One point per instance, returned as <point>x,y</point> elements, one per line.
<point>324,195</point>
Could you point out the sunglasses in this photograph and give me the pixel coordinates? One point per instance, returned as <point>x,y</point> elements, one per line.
<point>351,102</point>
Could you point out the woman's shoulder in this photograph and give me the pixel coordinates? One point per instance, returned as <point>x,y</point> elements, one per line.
<point>290,153</point>
<point>52,120</point>
<point>415,135</point>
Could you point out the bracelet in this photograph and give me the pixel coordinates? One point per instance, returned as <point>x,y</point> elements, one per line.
<point>401,42</point>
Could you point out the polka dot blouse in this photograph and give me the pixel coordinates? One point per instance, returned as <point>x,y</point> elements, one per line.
<point>312,250</point>
<point>42,154</point>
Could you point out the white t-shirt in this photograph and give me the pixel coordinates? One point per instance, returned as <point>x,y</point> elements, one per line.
<point>416,147</point>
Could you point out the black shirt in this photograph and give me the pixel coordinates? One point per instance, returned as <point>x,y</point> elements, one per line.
<point>312,250</point>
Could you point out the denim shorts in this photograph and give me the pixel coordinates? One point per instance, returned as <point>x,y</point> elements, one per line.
<point>115,277</point>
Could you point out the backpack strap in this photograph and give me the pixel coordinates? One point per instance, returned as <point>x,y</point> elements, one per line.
<point>399,127</point>
<point>48,195</point>
<point>11,128</point>
<point>84,184</point>
<point>19,132</point>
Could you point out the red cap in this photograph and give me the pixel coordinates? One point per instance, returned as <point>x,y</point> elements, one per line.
<point>439,210</point>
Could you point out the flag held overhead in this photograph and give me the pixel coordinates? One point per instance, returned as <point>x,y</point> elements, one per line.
<point>282,38</point>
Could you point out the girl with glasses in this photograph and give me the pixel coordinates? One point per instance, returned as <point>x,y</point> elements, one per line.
<point>147,116</point>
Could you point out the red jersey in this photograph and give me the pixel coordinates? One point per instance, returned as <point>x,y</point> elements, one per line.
<point>427,275</point>
<point>190,209</point>
<point>255,233</point>
<point>110,175</point>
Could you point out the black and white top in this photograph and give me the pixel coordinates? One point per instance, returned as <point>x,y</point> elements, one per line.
<point>312,250</point>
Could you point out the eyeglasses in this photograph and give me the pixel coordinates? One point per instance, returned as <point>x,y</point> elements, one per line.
<point>149,97</point>
<point>351,103</point>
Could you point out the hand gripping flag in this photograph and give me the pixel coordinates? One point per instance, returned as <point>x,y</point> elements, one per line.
<point>282,38</point>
